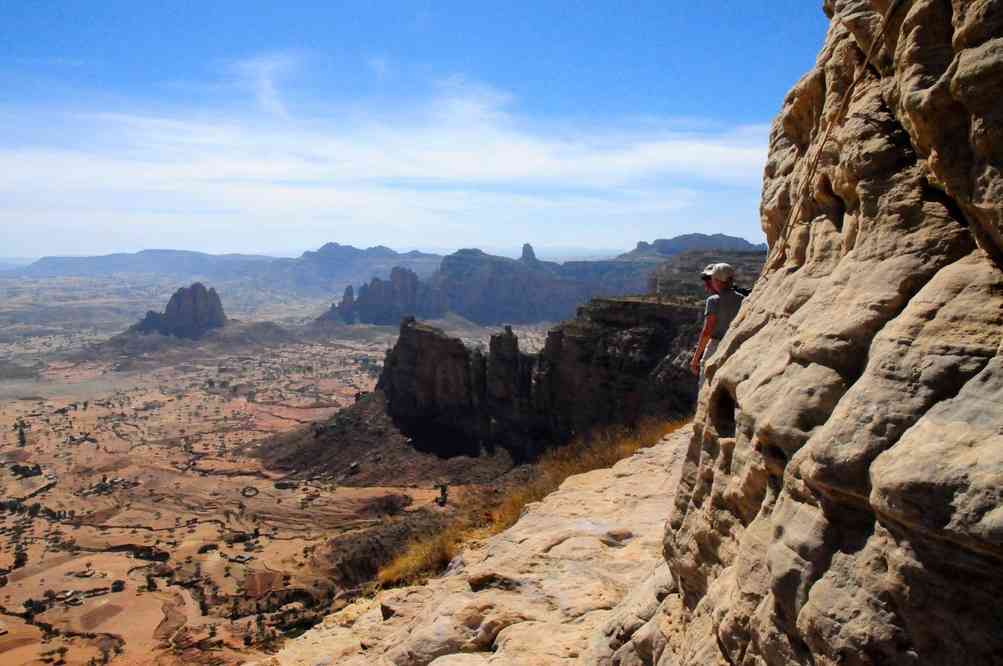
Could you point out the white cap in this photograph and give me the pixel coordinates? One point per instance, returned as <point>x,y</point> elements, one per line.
<point>721,272</point>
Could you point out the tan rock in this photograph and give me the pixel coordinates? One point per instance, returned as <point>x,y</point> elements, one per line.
<point>537,593</point>
<point>840,502</point>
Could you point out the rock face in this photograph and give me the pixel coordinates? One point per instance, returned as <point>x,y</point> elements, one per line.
<point>612,364</point>
<point>841,498</point>
<point>191,313</point>
<point>577,568</point>
<point>385,302</point>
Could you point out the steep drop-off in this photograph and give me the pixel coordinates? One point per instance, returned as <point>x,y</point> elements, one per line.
<point>616,362</point>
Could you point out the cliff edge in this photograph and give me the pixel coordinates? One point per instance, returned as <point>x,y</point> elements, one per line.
<point>546,591</point>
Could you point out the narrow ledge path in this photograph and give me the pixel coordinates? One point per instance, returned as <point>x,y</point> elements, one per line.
<point>543,592</point>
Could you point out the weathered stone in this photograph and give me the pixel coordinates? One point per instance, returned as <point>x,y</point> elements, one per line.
<point>386,302</point>
<point>840,501</point>
<point>537,593</point>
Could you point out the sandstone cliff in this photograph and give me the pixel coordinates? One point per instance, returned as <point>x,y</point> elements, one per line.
<point>191,313</point>
<point>613,363</point>
<point>841,497</point>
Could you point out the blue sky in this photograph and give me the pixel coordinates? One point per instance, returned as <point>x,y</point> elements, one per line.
<point>276,127</point>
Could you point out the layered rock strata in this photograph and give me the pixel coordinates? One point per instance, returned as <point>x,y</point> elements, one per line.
<point>616,362</point>
<point>553,589</point>
<point>842,497</point>
<point>191,313</point>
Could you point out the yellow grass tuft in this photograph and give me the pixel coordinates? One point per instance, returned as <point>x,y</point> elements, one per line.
<point>599,449</point>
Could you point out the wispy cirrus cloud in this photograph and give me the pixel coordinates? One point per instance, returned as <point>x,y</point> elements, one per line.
<point>458,166</point>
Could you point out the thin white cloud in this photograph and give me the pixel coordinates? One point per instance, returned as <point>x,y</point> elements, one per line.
<point>460,167</point>
<point>261,75</point>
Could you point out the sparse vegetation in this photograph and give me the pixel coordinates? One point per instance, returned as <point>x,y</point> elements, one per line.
<point>599,449</point>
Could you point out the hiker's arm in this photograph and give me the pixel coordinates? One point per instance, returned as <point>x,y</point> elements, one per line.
<point>708,327</point>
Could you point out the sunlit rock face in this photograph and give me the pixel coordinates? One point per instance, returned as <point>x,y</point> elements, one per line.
<point>842,496</point>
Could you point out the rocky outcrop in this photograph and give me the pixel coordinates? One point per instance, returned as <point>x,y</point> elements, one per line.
<point>191,313</point>
<point>385,302</point>
<point>841,497</point>
<point>578,567</point>
<point>616,362</point>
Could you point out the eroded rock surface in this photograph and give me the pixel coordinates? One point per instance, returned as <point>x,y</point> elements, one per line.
<point>842,497</point>
<point>578,572</point>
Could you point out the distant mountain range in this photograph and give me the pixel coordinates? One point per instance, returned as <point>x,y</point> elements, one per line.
<point>484,288</point>
<point>664,248</point>
<point>489,289</point>
<point>318,272</point>
<point>10,263</point>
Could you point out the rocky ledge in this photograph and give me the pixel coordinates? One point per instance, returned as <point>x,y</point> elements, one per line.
<point>580,570</point>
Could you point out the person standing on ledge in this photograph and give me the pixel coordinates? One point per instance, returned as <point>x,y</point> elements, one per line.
<point>722,306</point>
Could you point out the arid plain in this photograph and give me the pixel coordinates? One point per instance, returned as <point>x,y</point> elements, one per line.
<point>138,525</point>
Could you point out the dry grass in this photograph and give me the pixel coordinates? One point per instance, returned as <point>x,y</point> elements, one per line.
<point>598,450</point>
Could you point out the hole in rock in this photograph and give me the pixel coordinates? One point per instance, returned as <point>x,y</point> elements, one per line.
<point>722,413</point>
<point>776,454</point>
<point>931,193</point>
<point>834,206</point>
